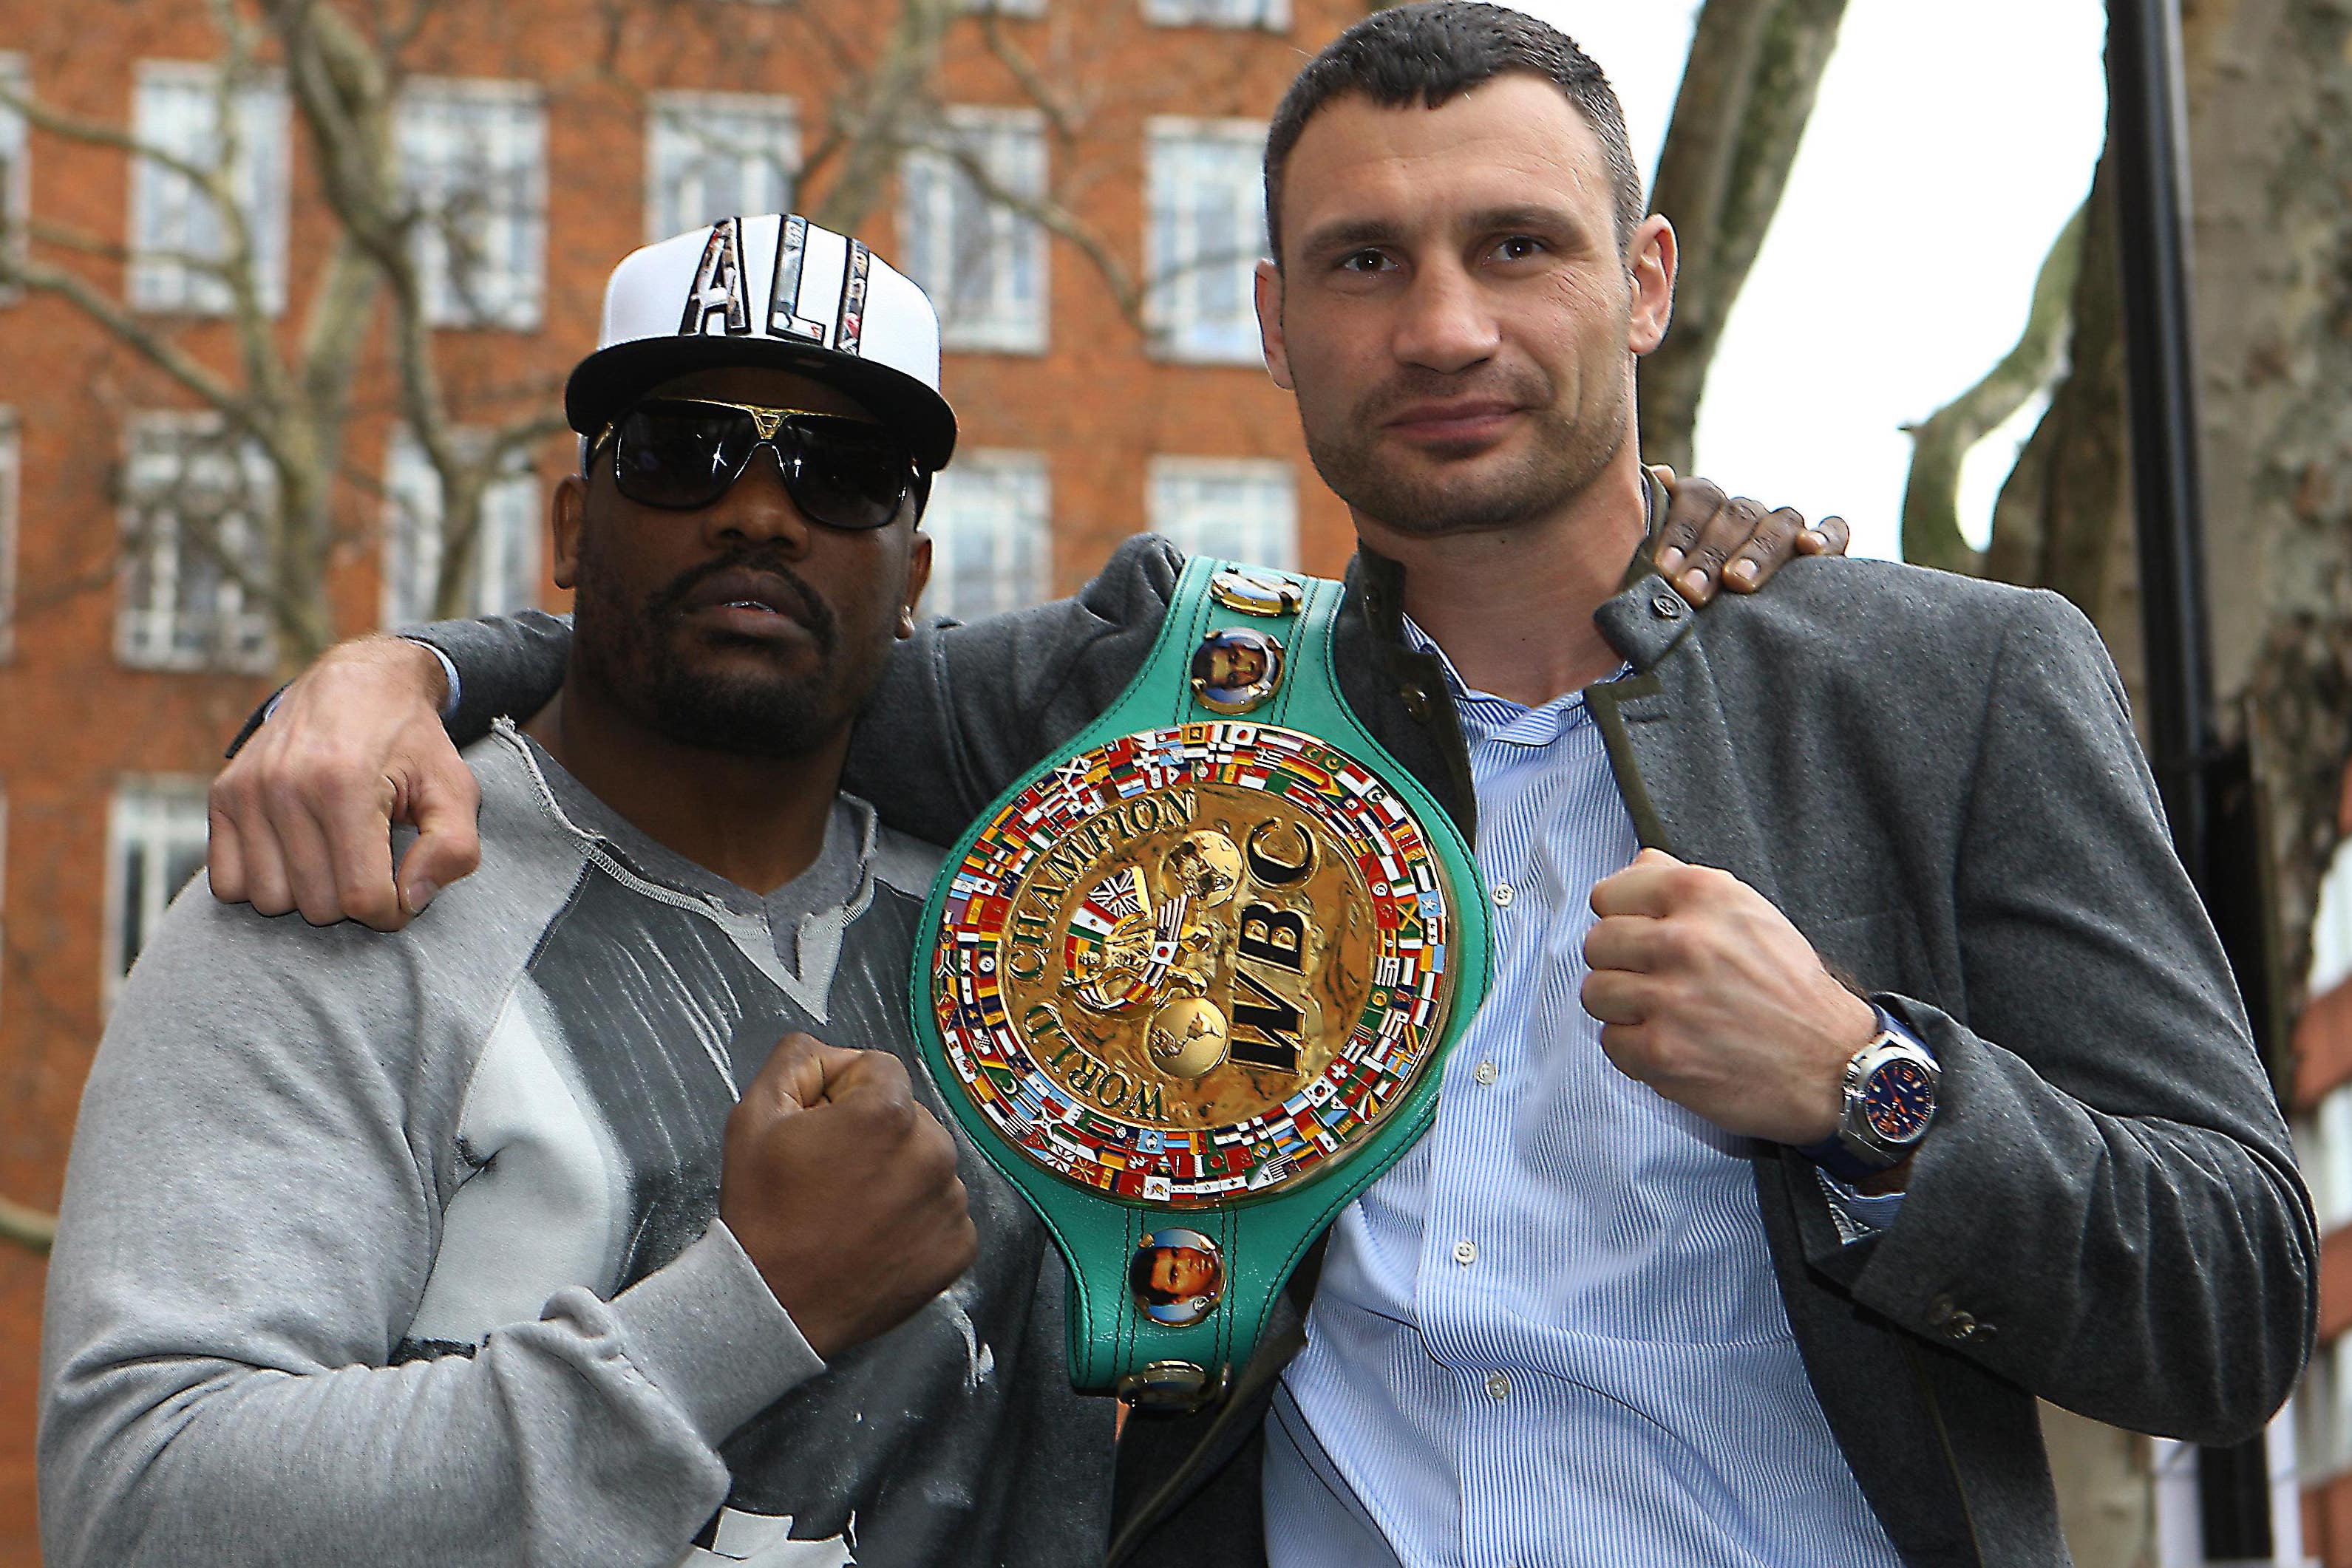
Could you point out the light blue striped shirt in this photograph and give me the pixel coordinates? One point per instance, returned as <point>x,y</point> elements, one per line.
<point>1552,1335</point>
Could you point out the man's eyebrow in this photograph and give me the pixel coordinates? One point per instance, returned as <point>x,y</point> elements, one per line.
<point>1523,215</point>
<point>1350,234</point>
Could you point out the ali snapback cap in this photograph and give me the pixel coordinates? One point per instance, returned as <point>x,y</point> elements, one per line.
<point>772,290</point>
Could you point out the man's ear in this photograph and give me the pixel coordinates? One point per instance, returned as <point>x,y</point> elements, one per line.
<point>1655,260</point>
<point>567,510</point>
<point>1269,324</point>
<point>919,577</point>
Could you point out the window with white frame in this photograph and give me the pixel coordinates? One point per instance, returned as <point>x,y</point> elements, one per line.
<point>981,260</point>
<point>11,478</point>
<point>474,160</point>
<point>179,237</point>
<point>2323,1411</point>
<point>989,519</point>
<point>154,845</point>
<point>1272,15</point>
<point>2323,1151</point>
<point>1207,192</point>
<point>712,156</point>
<point>196,557</point>
<point>16,168</point>
<point>502,569</point>
<point>1235,509</point>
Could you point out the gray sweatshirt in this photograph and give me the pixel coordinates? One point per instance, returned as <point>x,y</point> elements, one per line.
<point>404,1249</point>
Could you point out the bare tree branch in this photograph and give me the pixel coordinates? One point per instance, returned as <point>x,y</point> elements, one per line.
<point>190,373</point>
<point>26,1226</point>
<point>874,117</point>
<point>1942,442</point>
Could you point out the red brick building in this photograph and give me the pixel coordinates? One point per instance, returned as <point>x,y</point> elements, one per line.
<point>2323,1129</point>
<point>577,128</point>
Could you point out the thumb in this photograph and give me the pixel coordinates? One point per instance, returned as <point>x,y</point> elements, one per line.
<point>442,801</point>
<point>1656,857</point>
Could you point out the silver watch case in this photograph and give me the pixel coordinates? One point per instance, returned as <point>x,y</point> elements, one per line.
<point>1854,1130</point>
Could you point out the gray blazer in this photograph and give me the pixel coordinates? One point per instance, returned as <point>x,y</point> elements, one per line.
<point>1937,779</point>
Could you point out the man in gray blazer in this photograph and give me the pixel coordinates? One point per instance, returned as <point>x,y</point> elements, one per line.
<point>1860,1065</point>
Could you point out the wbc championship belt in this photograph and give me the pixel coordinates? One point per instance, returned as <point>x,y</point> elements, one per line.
<point>1193,979</point>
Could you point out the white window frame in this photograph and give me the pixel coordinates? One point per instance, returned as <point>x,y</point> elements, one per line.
<point>1265,15</point>
<point>12,483</point>
<point>174,227</point>
<point>997,505</point>
<point>15,164</point>
<point>1269,538</point>
<point>149,815</point>
<point>1181,266</point>
<point>758,133</point>
<point>440,120</point>
<point>154,538</point>
<point>507,536</point>
<point>936,201</point>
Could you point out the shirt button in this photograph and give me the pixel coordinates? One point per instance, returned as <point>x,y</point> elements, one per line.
<point>1465,1253</point>
<point>1486,1073</point>
<point>1503,895</point>
<point>1666,607</point>
<point>1497,1385</point>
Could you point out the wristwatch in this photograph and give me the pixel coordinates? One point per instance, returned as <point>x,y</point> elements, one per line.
<point>1194,977</point>
<point>1890,1100</point>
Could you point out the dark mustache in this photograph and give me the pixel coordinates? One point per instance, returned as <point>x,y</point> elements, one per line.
<point>1525,387</point>
<point>766,559</point>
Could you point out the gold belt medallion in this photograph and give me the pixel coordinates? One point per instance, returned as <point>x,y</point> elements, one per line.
<point>1194,965</point>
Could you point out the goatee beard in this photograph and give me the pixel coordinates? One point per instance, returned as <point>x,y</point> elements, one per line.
<point>1565,457</point>
<point>632,653</point>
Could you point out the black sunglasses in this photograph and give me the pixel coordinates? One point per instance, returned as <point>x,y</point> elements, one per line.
<point>682,454</point>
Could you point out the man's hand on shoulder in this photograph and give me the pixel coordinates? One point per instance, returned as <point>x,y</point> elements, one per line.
<point>1707,993</point>
<point>843,1191</point>
<point>1709,537</point>
<point>303,816</point>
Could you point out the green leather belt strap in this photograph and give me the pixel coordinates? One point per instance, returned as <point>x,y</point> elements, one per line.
<point>1116,1345</point>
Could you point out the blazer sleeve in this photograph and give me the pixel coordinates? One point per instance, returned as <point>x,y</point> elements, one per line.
<point>961,710</point>
<point>964,710</point>
<point>2107,1211</point>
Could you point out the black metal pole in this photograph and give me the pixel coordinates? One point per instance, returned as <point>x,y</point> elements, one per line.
<point>2147,139</point>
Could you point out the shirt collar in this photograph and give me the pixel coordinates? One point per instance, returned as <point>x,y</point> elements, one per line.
<point>1486,717</point>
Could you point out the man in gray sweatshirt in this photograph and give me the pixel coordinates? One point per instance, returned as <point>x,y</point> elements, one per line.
<point>547,1231</point>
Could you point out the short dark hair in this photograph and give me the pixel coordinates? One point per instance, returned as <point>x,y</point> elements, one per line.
<point>1430,52</point>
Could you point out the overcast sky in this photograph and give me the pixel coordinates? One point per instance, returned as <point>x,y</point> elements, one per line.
<point>1949,145</point>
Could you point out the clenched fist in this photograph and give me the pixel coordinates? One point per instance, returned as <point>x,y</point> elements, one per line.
<point>844,1192</point>
<point>1708,994</point>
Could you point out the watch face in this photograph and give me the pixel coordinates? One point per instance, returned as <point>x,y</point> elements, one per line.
<point>1193,965</point>
<point>1898,1099</point>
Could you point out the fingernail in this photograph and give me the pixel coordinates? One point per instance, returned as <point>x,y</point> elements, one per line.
<point>1669,558</point>
<point>416,895</point>
<point>1694,584</point>
<point>1741,571</point>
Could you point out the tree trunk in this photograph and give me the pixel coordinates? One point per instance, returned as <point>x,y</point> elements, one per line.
<point>1746,93</point>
